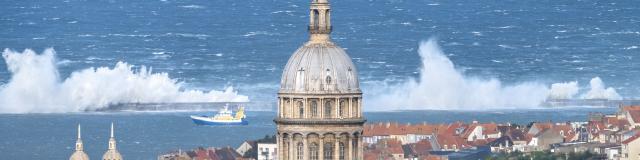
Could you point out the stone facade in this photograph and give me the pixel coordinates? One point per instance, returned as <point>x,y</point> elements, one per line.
<point>319,102</point>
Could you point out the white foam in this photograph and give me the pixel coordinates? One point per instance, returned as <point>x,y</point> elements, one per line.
<point>564,90</point>
<point>442,86</point>
<point>600,91</point>
<point>35,86</point>
<point>193,6</point>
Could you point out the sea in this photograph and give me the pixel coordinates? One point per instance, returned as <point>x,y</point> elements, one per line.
<point>66,61</point>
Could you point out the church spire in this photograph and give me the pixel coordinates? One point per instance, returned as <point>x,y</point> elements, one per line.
<point>79,146</point>
<point>112,140</point>
<point>112,153</point>
<point>320,21</point>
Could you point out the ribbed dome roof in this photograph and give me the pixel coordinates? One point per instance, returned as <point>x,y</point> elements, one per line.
<point>320,68</point>
<point>79,155</point>
<point>112,155</point>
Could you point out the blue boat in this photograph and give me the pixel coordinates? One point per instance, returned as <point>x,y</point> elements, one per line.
<point>224,117</point>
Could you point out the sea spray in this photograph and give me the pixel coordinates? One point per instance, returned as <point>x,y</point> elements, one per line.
<point>598,90</point>
<point>35,86</point>
<point>441,86</point>
<point>564,90</point>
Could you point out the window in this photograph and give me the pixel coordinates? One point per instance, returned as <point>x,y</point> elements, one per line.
<point>327,109</point>
<point>313,150</point>
<point>300,109</point>
<point>328,80</point>
<point>314,109</point>
<point>341,109</point>
<point>300,151</point>
<point>316,16</point>
<point>341,151</point>
<point>328,151</point>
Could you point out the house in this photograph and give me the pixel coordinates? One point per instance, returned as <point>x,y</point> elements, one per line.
<point>418,150</point>
<point>633,117</point>
<point>177,155</point>
<point>448,142</point>
<point>545,138</point>
<point>374,132</point>
<point>245,147</point>
<point>630,148</point>
<point>249,149</point>
<point>267,151</point>
<point>502,144</point>
<point>226,153</point>
<point>387,149</point>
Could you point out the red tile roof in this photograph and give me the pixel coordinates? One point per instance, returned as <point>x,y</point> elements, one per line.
<point>630,108</point>
<point>635,115</point>
<point>451,140</point>
<point>631,139</point>
<point>421,148</point>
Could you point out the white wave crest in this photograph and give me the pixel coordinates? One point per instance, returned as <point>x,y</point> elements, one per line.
<point>441,86</point>
<point>35,86</point>
<point>599,91</point>
<point>564,90</point>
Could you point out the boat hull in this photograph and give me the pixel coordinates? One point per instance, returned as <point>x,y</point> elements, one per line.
<point>201,120</point>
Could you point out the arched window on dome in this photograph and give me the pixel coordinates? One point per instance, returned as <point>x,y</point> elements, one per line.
<point>327,109</point>
<point>300,109</point>
<point>316,17</point>
<point>314,108</point>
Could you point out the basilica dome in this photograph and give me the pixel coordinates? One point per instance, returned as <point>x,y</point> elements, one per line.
<point>319,68</point>
<point>79,155</point>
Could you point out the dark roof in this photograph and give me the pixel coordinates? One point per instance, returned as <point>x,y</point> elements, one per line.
<point>500,141</point>
<point>227,153</point>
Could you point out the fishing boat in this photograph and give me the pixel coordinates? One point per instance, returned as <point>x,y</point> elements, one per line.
<point>224,117</point>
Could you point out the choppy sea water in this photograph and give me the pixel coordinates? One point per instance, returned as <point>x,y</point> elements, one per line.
<point>245,44</point>
<point>144,135</point>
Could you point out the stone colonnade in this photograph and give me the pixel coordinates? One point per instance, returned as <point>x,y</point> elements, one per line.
<point>313,146</point>
<point>315,107</point>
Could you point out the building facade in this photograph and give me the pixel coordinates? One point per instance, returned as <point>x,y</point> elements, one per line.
<point>319,101</point>
<point>267,151</point>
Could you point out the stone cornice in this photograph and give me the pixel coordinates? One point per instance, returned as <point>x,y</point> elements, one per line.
<point>355,121</point>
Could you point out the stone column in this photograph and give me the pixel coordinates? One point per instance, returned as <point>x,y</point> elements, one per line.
<point>305,148</point>
<point>336,149</point>
<point>291,106</point>
<point>349,154</point>
<point>336,102</point>
<point>328,18</point>
<point>321,108</point>
<point>311,18</point>
<point>280,111</point>
<point>322,18</point>
<point>321,148</point>
<point>306,110</point>
<point>360,148</point>
<point>350,106</point>
<point>358,112</point>
<point>290,147</point>
<point>279,144</point>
